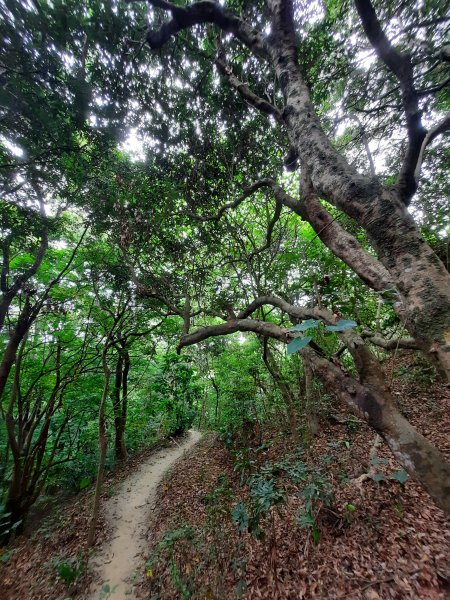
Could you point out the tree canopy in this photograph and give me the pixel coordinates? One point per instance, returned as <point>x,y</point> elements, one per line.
<point>174,173</point>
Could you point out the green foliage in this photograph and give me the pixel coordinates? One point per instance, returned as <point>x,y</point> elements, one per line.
<point>76,95</point>
<point>342,325</point>
<point>298,344</point>
<point>68,569</point>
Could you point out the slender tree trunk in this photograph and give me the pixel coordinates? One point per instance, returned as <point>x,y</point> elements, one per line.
<point>216,410</point>
<point>102,443</point>
<point>286,394</point>
<point>120,388</point>
<point>311,414</point>
<point>123,423</point>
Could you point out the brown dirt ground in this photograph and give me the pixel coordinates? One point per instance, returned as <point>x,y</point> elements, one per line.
<point>395,545</point>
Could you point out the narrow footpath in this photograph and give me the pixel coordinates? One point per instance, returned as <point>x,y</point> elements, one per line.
<point>127,514</point>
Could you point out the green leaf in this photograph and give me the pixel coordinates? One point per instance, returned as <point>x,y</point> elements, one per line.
<point>298,344</point>
<point>342,325</point>
<point>240,517</point>
<point>376,460</point>
<point>84,483</point>
<point>350,507</point>
<point>309,324</point>
<point>378,477</point>
<point>400,476</point>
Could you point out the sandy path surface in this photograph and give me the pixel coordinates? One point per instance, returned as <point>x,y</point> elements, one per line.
<point>127,513</point>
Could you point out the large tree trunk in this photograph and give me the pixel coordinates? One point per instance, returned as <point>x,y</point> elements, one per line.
<point>419,275</point>
<point>373,401</point>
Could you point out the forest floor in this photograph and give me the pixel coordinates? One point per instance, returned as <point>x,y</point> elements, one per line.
<point>49,562</point>
<point>374,539</point>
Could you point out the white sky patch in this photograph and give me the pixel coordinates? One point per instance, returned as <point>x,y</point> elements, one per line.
<point>58,244</point>
<point>13,148</point>
<point>241,338</point>
<point>134,146</point>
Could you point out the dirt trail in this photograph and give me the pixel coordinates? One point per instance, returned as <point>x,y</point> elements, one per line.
<point>127,514</point>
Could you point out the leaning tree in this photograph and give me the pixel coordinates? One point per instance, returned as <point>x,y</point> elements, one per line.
<point>269,45</point>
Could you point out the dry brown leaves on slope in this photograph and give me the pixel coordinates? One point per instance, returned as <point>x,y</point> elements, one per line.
<point>377,540</point>
<point>31,571</point>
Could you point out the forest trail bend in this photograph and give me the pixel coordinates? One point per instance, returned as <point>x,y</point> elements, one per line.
<point>127,514</point>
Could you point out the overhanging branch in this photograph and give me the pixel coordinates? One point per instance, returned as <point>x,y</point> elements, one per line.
<point>233,326</point>
<point>199,13</point>
<point>401,66</point>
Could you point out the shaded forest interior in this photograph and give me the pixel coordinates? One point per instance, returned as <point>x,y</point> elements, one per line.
<point>232,217</point>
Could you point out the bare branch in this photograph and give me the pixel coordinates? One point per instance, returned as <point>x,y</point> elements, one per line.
<point>249,96</point>
<point>401,66</point>
<point>444,125</point>
<point>246,193</point>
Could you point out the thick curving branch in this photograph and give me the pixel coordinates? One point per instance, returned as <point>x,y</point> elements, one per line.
<point>401,66</point>
<point>381,342</point>
<point>341,243</point>
<point>199,13</point>
<point>297,312</point>
<point>233,326</point>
